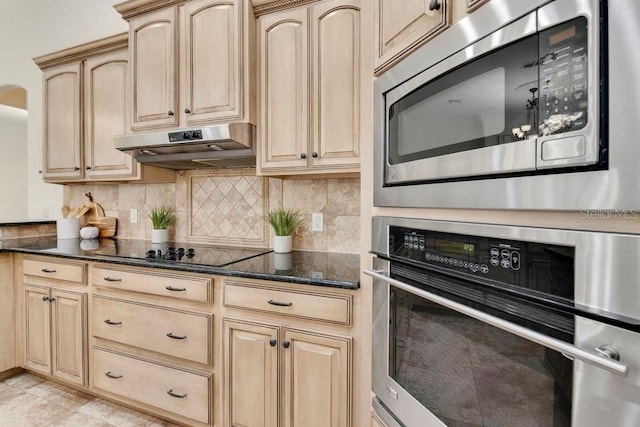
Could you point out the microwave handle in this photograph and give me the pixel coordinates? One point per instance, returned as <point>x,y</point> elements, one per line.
<point>555,344</point>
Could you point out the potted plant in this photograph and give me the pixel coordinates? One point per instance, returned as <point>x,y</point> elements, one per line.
<point>161,219</point>
<point>284,223</point>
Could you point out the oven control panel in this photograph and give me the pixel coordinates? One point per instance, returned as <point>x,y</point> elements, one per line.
<point>460,254</point>
<point>506,261</point>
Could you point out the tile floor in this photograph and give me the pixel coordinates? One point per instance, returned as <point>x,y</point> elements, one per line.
<point>30,401</point>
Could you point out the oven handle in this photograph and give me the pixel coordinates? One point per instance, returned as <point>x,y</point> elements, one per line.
<point>555,344</point>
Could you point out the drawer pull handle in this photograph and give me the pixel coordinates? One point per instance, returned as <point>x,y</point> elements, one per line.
<point>172,289</point>
<point>110,375</point>
<point>111,322</point>
<point>176,337</point>
<point>46,270</point>
<point>111,279</point>
<point>280,304</point>
<point>179,396</point>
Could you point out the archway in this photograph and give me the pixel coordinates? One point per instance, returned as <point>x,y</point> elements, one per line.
<point>13,153</point>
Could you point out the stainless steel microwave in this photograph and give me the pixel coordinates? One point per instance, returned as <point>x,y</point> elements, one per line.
<point>520,105</point>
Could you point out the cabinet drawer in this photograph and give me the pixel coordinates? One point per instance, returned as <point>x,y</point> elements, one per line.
<point>187,288</point>
<point>329,308</point>
<point>181,392</point>
<point>176,333</point>
<point>53,270</point>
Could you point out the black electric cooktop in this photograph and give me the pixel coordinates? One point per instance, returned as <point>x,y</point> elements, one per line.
<point>164,253</point>
<point>184,253</point>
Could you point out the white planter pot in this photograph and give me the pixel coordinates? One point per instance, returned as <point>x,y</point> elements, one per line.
<point>282,244</point>
<point>159,236</point>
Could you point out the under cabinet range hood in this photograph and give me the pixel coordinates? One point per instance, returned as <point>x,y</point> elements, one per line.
<point>221,146</point>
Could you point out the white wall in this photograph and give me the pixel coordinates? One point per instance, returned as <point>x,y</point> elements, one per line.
<point>13,161</point>
<point>36,27</point>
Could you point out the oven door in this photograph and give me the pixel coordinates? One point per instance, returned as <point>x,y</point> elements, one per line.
<point>437,362</point>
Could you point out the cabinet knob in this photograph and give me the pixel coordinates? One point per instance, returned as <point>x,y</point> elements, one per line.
<point>170,113</point>
<point>77,168</point>
<point>45,299</point>
<point>88,168</point>
<point>52,299</point>
<point>434,5</point>
<point>273,343</point>
<point>286,344</point>
<point>187,110</point>
<point>314,154</point>
<point>40,171</point>
<point>303,156</point>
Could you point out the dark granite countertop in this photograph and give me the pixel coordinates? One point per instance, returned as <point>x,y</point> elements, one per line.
<point>26,222</point>
<point>301,267</point>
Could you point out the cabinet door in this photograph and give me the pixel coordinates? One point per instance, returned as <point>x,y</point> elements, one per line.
<point>7,313</point>
<point>37,345</point>
<point>211,82</point>
<point>152,41</point>
<point>251,369</point>
<point>284,98</point>
<point>62,123</point>
<point>67,335</point>
<point>335,130</point>
<point>317,380</point>
<point>403,25</point>
<point>106,115</point>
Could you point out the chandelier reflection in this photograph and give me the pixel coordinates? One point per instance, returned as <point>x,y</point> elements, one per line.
<point>521,133</point>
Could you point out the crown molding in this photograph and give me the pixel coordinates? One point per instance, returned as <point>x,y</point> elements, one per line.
<point>80,52</point>
<point>132,8</point>
<point>262,7</point>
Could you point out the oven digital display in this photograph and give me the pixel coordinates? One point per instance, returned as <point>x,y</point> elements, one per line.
<point>455,247</point>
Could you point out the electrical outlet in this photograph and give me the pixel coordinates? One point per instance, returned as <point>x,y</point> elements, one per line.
<point>316,221</point>
<point>133,216</point>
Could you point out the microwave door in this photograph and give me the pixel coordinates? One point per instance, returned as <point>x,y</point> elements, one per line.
<point>469,115</point>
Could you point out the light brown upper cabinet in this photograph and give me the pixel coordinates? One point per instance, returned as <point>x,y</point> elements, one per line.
<point>401,26</point>
<point>310,89</point>
<point>85,105</point>
<point>474,4</point>
<point>190,64</point>
<point>62,122</point>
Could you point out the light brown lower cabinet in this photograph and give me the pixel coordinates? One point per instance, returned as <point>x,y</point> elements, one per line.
<point>55,332</point>
<point>376,422</point>
<point>8,360</point>
<point>152,341</point>
<point>169,388</point>
<point>276,375</point>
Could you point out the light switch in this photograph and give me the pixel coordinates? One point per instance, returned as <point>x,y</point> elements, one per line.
<point>133,216</point>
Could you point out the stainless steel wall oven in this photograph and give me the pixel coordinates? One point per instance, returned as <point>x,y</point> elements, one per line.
<point>492,325</point>
<point>521,105</point>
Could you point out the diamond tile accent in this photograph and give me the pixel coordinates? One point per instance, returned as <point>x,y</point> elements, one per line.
<point>228,208</point>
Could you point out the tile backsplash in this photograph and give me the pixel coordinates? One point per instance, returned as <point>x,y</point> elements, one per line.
<point>227,207</point>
